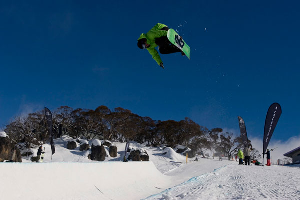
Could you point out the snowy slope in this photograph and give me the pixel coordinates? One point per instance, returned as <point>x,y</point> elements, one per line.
<point>103,180</point>
<point>70,175</point>
<point>239,182</point>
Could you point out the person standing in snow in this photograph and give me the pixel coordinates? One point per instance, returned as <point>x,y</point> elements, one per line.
<point>269,157</point>
<point>39,153</point>
<point>247,155</point>
<point>241,156</point>
<point>157,37</point>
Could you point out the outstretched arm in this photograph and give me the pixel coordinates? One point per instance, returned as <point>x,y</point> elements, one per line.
<point>155,55</point>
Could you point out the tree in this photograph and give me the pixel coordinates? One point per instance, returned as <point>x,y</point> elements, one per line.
<point>167,132</point>
<point>147,131</point>
<point>77,123</point>
<point>37,123</point>
<point>214,138</point>
<point>29,130</point>
<point>62,116</point>
<point>102,126</point>
<point>115,120</point>
<point>195,137</point>
<point>254,153</point>
<point>226,144</point>
<point>130,126</point>
<point>188,129</point>
<point>91,125</point>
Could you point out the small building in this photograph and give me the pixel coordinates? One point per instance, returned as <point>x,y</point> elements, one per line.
<point>294,154</point>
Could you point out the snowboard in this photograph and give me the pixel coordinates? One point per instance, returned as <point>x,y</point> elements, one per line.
<point>42,156</point>
<point>177,40</point>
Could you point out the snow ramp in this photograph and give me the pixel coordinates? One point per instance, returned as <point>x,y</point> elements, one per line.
<point>101,180</point>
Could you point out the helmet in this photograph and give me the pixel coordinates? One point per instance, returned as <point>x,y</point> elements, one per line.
<point>142,43</point>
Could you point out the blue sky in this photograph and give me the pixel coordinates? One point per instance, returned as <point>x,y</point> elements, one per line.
<point>244,57</point>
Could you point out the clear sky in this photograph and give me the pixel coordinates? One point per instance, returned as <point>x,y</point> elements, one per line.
<point>83,54</point>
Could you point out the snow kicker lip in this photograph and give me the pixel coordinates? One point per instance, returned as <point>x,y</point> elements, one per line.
<point>193,179</point>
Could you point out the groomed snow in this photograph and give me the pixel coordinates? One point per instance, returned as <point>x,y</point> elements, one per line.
<point>70,175</point>
<point>101,180</point>
<point>238,182</point>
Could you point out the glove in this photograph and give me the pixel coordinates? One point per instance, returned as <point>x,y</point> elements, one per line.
<point>162,65</point>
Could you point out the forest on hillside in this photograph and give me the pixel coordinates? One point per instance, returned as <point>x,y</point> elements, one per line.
<point>121,125</point>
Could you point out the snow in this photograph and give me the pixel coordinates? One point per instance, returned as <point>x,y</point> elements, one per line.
<point>2,134</point>
<point>83,141</point>
<point>238,182</point>
<point>71,175</point>
<point>171,154</point>
<point>96,142</point>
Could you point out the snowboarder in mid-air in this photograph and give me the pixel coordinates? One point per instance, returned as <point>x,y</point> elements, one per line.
<point>157,36</point>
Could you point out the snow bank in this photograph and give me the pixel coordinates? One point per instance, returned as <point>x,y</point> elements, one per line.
<point>171,154</point>
<point>83,141</point>
<point>103,180</point>
<point>95,142</point>
<point>3,134</point>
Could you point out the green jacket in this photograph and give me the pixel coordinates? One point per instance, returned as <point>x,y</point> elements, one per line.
<point>241,154</point>
<point>151,35</point>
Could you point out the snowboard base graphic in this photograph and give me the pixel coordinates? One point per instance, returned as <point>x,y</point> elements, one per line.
<point>177,40</point>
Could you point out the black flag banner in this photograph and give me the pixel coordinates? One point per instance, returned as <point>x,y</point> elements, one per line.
<point>243,131</point>
<point>272,118</point>
<point>48,116</point>
<point>126,149</point>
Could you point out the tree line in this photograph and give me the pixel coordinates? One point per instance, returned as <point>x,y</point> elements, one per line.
<point>120,125</point>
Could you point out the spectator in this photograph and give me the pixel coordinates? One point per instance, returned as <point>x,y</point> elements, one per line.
<point>39,153</point>
<point>247,155</point>
<point>241,157</point>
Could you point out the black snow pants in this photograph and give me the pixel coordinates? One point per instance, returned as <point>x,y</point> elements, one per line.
<point>240,161</point>
<point>165,46</point>
<point>247,160</point>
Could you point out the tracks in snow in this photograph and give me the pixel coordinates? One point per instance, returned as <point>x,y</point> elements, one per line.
<point>239,182</point>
